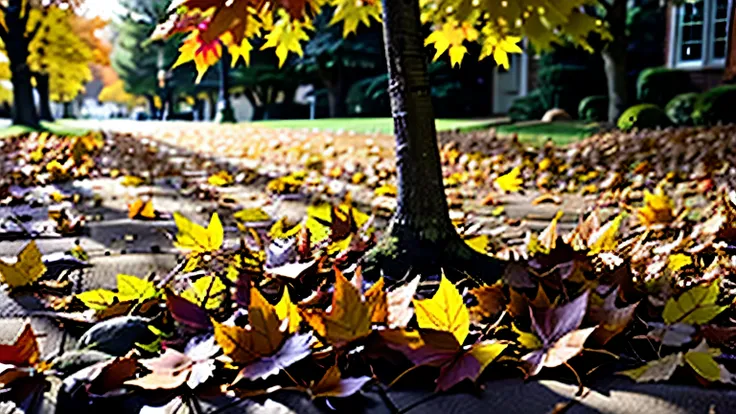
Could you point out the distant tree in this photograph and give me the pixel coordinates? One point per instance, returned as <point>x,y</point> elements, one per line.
<point>17,35</point>
<point>144,65</point>
<point>59,58</point>
<point>337,59</point>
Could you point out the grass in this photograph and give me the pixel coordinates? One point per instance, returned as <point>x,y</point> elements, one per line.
<point>560,132</point>
<point>57,128</point>
<point>370,125</point>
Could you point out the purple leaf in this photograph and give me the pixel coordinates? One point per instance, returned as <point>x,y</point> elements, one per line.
<point>293,350</point>
<point>554,323</point>
<point>187,313</point>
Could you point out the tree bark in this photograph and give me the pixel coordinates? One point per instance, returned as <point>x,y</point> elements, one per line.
<point>69,110</point>
<point>614,60</point>
<point>333,81</point>
<point>225,113</point>
<point>16,43</point>
<point>44,97</point>
<point>421,238</point>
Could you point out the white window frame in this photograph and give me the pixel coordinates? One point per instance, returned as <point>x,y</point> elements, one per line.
<point>709,29</point>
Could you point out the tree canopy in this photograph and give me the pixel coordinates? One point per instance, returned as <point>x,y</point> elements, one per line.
<point>496,25</point>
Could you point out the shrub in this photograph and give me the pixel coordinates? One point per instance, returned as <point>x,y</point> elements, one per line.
<point>528,108</point>
<point>643,116</point>
<point>564,86</point>
<point>594,109</point>
<point>716,105</point>
<point>680,109</point>
<point>659,85</point>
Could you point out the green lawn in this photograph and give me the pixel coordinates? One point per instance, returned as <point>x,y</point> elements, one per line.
<point>370,125</point>
<point>58,128</point>
<point>561,132</point>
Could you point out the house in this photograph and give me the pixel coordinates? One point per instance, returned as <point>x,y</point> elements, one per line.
<point>697,41</point>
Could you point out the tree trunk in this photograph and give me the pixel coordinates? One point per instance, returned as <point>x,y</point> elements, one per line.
<point>16,43</point>
<point>614,59</point>
<point>422,238</point>
<point>336,100</point>
<point>225,113</point>
<point>69,110</point>
<point>152,110</point>
<point>44,97</point>
<point>333,81</point>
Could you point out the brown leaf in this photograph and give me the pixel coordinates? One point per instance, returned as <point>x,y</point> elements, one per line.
<point>491,300</point>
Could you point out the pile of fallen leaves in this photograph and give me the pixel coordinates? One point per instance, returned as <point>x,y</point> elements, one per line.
<point>641,287</point>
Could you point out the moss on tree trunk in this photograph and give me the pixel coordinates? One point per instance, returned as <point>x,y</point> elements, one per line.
<point>422,238</point>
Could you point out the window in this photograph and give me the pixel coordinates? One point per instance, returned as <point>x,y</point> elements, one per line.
<point>701,34</point>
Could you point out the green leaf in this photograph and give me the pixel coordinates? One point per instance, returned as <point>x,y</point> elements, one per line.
<point>701,361</point>
<point>696,306</point>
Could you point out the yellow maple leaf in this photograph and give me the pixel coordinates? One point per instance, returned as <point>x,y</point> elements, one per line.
<point>604,239</point>
<point>206,291</point>
<point>220,179</point>
<point>445,311</point>
<point>193,237</point>
<point>678,261</point>
<point>286,309</point>
<point>141,209</point>
<point>350,317</point>
<point>452,36</point>
<point>511,182</point>
<point>27,269</point>
<point>263,338</point>
<point>286,36</point>
<point>657,209</point>
<point>499,47</point>
<point>352,13</point>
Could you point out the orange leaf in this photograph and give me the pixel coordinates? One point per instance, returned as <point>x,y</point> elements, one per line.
<point>24,352</point>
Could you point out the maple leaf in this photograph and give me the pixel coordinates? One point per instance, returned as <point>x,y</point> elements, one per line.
<point>293,350</point>
<point>656,371</point>
<point>611,320</point>
<point>287,310</point>
<point>207,292</point>
<point>350,317</point>
<point>441,349</point>
<point>140,209</point>
<point>657,209</point>
<point>24,352</point>
<point>451,36</point>
<point>333,385</point>
<point>694,306</point>
<point>195,238</point>
<point>221,179</point>
<point>286,36</point>
<point>186,312</point>
<point>168,371</point>
<point>204,54</point>
<point>445,311</point>
<point>130,291</point>
<point>604,239</point>
<point>491,300</point>
<point>398,302</point>
<point>263,338</point>
<point>560,337</point>
<point>352,13</point>
<point>511,182</point>
<point>27,269</point>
